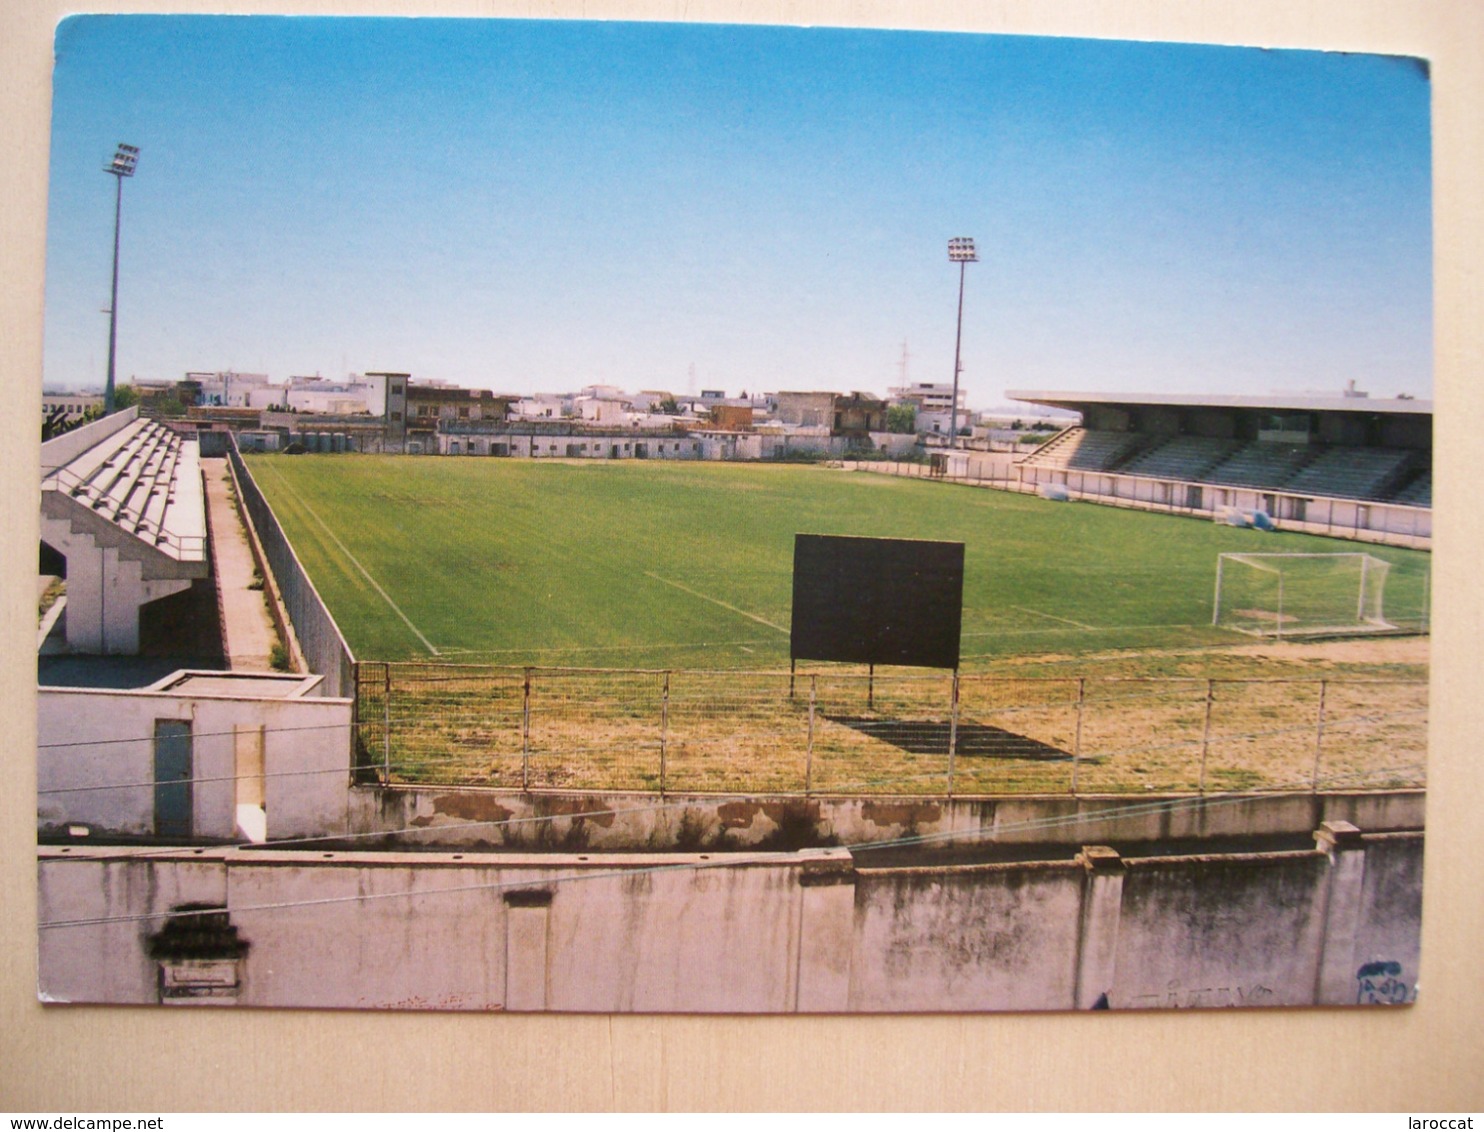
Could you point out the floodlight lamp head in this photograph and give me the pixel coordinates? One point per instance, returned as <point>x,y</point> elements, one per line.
<point>961,250</point>
<point>124,160</point>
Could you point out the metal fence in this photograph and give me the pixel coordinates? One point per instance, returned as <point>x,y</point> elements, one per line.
<point>320,640</point>
<point>844,731</point>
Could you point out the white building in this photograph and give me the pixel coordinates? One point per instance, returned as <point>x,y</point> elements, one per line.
<point>607,392</point>
<point>603,410</point>
<point>929,397</point>
<point>934,404</point>
<point>228,389</point>
<point>542,407</point>
<point>64,408</point>
<point>649,400</point>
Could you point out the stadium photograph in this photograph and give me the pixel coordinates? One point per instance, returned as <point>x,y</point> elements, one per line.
<point>673,518</point>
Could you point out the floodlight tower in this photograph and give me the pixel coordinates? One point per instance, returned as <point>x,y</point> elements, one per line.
<point>122,165</point>
<point>960,251</point>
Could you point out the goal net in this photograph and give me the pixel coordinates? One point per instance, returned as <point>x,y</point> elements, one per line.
<point>1301,595</point>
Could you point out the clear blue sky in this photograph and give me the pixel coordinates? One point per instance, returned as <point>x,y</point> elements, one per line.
<point>534,206</point>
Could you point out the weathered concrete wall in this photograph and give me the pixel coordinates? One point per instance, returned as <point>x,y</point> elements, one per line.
<point>776,933</point>
<point>1386,943</point>
<point>672,939</point>
<point>503,819</point>
<point>1211,931</point>
<point>1002,937</point>
<point>96,760</point>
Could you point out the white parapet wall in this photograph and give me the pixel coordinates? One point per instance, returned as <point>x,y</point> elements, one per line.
<point>241,739</point>
<point>63,449</point>
<point>810,931</point>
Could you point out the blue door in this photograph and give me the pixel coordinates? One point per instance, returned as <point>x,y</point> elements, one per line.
<point>173,778</point>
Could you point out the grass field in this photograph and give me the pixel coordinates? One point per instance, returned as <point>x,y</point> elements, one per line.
<point>689,565</point>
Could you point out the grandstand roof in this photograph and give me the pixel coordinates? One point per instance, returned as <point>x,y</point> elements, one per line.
<point>1276,401</point>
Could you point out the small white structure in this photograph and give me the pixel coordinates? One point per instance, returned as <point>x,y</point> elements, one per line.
<point>197,755</point>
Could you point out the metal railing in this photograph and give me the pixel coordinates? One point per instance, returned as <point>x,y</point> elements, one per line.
<point>838,731</point>
<point>131,519</point>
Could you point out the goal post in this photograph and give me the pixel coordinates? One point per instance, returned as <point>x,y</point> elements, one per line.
<point>1301,595</point>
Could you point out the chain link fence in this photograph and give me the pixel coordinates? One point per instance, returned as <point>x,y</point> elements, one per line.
<point>842,731</point>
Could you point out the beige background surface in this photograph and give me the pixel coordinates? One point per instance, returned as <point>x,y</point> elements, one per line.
<point>1430,1057</point>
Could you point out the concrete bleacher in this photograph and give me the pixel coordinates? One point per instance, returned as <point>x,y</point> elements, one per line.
<point>1351,473</point>
<point>1181,458</point>
<point>1086,450</point>
<point>1261,464</point>
<point>1393,475</point>
<point>1343,472</point>
<point>123,502</point>
<point>1417,493</point>
<point>146,480</point>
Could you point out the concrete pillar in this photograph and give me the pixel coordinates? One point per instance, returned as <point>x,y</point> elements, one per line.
<point>527,917</point>
<point>1335,981</point>
<point>1097,939</point>
<point>826,932</point>
<point>86,566</point>
<point>104,593</point>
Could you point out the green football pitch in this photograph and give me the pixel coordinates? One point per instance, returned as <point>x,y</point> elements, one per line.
<point>689,565</point>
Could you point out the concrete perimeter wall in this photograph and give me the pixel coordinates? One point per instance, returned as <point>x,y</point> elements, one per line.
<point>777,933</point>
<point>318,638</point>
<point>471,816</point>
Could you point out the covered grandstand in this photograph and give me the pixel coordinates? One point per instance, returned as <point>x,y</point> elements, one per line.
<point>1340,463</point>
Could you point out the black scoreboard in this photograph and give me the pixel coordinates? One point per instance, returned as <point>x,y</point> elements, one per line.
<point>877,600</point>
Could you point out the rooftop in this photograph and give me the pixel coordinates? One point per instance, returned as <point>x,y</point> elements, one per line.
<point>1277,401</point>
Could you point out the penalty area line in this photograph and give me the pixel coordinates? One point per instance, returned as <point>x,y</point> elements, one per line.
<point>1053,617</point>
<point>605,648</point>
<point>356,562</point>
<point>1082,628</point>
<point>715,601</point>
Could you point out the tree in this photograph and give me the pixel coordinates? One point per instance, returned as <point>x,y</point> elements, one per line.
<point>170,405</point>
<point>57,424</point>
<point>125,396</point>
<point>901,418</point>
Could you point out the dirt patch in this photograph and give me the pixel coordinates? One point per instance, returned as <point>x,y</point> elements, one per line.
<point>1366,650</point>
<point>1264,615</point>
<point>1379,657</point>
